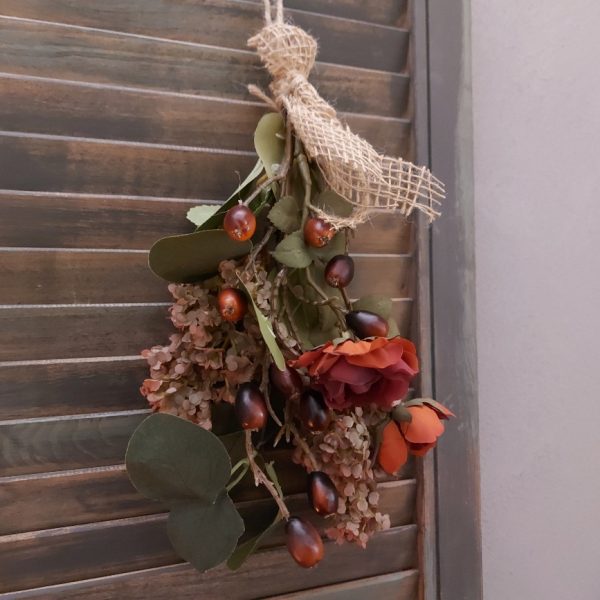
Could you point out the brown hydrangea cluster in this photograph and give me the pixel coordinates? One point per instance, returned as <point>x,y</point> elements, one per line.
<point>208,357</point>
<point>343,451</point>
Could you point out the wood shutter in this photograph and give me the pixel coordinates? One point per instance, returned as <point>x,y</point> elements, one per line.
<point>116,116</point>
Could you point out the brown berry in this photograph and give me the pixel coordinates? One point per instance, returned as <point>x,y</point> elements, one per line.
<point>367,324</point>
<point>313,411</point>
<point>239,223</point>
<point>250,406</point>
<point>288,381</point>
<point>232,304</point>
<point>318,233</point>
<point>339,271</point>
<point>303,542</point>
<point>322,493</point>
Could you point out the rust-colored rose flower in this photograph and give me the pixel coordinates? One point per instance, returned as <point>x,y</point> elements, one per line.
<point>376,371</point>
<point>415,436</point>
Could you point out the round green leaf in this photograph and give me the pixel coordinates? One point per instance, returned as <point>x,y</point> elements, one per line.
<point>194,256</point>
<point>204,535</point>
<point>286,214</point>
<point>269,141</point>
<point>292,251</point>
<point>375,303</point>
<point>172,460</point>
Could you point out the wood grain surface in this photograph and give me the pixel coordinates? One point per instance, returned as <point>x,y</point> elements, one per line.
<point>116,118</point>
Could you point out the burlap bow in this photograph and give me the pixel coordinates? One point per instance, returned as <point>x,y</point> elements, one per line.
<point>351,166</point>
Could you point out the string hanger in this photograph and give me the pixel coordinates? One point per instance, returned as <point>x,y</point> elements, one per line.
<point>278,12</point>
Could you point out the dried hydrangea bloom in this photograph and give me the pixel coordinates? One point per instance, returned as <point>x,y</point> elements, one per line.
<point>343,452</point>
<point>207,358</point>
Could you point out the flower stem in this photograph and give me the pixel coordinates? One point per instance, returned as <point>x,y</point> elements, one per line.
<point>261,479</point>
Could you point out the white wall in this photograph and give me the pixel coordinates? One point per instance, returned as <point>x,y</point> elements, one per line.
<point>536,79</point>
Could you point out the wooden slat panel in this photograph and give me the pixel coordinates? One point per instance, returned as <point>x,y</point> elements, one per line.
<point>76,388</point>
<point>38,105</point>
<point>37,446</point>
<point>103,494</point>
<point>80,552</point>
<point>43,333</point>
<point>227,23</point>
<point>267,573</point>
<point>64,277</point>
<point>82,166</point>
<point>55,221</point>
<point>93,56</point>
<point>395,586</point>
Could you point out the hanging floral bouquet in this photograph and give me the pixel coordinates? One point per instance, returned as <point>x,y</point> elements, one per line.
<point>270,350</point>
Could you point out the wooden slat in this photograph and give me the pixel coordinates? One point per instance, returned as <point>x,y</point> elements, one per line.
<point>385,12</point>
<point>38,105</point>
<point>47,390</point>
<point>44,333</point>
<point>226,23</point>
<point>59,555</point>
<point>39,220</point>
<point>81,331</point>
<point>102,57</point>
<point>65,277</point>
<point>395,586</point>
<point>105,493</point>
<point>268,572</point>
<point>36,446</point>
<point>52,164</point>
<point>62,443</point>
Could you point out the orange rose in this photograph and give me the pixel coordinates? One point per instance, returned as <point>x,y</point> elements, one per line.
<point>415,436</point>
<point>376,371</point>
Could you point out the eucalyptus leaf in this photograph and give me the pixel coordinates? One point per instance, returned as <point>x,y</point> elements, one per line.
<point>375,303</point>
<point>173,460</point>
<point>292,251</point>
<point>268,335</point>
<point>333,203</point>
<point>198,215</point>
<point>204,535</point>
<point>216,220</point>
<point>194,256</point>
<point>245,550</point>
<point>286,214</point>
<point>269,141</point>
<point>393,328</point>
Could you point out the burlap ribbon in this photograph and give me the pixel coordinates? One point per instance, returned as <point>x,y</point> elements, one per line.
<point>351,166</point>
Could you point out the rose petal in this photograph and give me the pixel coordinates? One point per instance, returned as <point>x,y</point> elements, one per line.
<point>393,451</point>
<point>347,373</point>
<point>425,426</point>
<point>421,449</point>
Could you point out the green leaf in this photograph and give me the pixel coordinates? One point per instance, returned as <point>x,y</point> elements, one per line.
<point>243,551</point>
<point>201,213</point>
<point>333,204</point>
<point>204,535</point>
<point>172,460</point>
<point>216,220</point>
<point>194,256</point>
<point>292,251</point>
<point>375,303</point>
<point>269,141</point>
<point>393,328</point>
<point>268,335</point>
<point>286,215</point>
